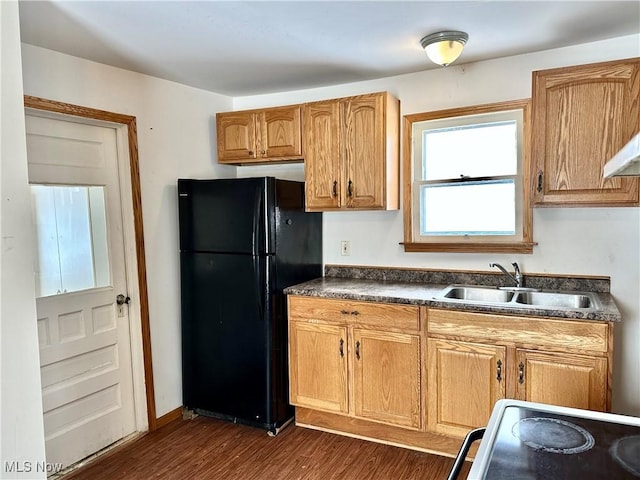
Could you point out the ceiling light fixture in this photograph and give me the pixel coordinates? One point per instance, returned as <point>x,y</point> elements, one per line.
<point>444,48</point>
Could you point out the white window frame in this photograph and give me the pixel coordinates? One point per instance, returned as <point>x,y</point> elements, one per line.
<point>521,241</point>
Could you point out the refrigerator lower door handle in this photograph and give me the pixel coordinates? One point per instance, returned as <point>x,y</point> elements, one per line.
<point>258,284</point>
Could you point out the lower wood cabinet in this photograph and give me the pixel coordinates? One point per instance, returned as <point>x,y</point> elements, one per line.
<point>465,380</point>
<point>424,377</point>
<point>577,381</point>
<point>318,366</point>
<point>476,359</point>
<point>342,361</point>
<point>386,377</point>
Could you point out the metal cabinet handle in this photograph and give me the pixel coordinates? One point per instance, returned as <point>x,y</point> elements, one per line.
<point>521,373</point>
<point>264,153</point>
<point>335,188</point>
<point>539,188</point>
<point>358,350</point>
<point>341,349</point>
<point>251,153</point>
<point>350,189</point>
<point>344,312</point>
<point>499,370</point>
<point>355,312</point>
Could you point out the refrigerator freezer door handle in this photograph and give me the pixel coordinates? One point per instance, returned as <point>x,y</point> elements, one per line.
<point>256,221</point>
<point>254,230</point>
<point>261,236</point>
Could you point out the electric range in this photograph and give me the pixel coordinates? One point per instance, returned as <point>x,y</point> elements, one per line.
<point>534,441</point>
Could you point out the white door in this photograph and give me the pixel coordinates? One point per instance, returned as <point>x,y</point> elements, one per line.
<point>85,347</point>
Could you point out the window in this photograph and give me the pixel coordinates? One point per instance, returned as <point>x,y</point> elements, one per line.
<point>71,238</point>
<point>466,172</point>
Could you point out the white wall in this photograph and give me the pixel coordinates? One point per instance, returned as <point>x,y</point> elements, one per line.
<point>591,241</point>
<point>22,437</point>
<point>176,138</point>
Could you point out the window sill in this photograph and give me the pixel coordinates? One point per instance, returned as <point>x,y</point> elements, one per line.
<point>488,247</point>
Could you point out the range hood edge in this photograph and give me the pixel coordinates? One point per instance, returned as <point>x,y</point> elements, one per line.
<point>625,163</point>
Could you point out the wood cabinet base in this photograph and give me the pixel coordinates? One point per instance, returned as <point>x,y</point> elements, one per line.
<point>389,435</point>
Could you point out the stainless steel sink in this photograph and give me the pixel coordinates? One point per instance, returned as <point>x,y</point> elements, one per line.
<point>477,294</point>
<point>519,297</point>
<point>557,299</point>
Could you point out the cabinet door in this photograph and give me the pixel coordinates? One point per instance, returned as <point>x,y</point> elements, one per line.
<point>279,133</point>
<point>464,382</point>
<point>322,155</point>
<point>236,136</point>
<point>387,377</point>
<point>363,128</point>
<point>562,379</point>
<point>582,116</point>
<point>318,366</point>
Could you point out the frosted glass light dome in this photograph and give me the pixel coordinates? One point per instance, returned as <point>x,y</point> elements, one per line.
<point>444,48</point>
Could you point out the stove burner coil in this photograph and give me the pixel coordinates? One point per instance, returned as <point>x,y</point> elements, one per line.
<point>626,451</point>
<point>552,435</point>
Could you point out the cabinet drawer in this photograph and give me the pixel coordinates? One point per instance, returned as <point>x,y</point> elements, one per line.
<point>385,315</point>
<point>583,336</point>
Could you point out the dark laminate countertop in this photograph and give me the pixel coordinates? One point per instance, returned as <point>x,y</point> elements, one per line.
<point>415,293</point>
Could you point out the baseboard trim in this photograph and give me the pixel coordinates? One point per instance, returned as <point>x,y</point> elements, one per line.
<point>169,417</point>
<point>428,442</point>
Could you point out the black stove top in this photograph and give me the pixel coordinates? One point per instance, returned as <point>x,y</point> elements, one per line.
<point>538,444</point>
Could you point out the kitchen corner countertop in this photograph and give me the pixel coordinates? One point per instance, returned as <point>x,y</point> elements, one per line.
<point>414,293</point>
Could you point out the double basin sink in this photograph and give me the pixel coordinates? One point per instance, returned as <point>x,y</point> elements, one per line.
<point>520,297</point>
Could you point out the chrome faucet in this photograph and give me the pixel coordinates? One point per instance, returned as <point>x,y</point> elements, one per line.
<point>516,276</point>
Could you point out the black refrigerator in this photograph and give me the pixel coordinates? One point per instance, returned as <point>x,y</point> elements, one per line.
<point>242,241</point>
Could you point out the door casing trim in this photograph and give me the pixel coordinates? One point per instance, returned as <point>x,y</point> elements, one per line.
<point>127,135</point>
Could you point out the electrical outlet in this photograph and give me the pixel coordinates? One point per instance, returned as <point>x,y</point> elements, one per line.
<point>345,248</point>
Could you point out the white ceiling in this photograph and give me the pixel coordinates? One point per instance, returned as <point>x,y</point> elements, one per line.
<point>244,48</point>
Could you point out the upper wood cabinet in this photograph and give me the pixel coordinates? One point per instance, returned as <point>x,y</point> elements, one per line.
<point>351,150</point>
<point>259,136</point>
<point>582,116</point>
<point>323,160</point>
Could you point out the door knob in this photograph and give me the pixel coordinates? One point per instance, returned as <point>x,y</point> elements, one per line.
<point>121,299</point>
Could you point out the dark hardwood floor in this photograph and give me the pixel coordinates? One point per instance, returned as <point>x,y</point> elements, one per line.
<point>206,448</point>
